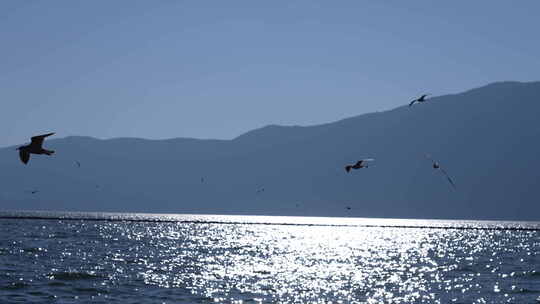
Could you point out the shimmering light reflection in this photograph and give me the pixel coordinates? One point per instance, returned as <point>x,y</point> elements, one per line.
<point>171,262</point>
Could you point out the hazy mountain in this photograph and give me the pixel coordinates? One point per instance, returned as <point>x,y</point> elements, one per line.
<point>488,139</point>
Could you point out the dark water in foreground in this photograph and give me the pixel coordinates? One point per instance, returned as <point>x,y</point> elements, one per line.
<point>129,258</point>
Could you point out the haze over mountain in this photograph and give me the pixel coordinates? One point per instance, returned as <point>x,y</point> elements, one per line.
<point>486,138</point>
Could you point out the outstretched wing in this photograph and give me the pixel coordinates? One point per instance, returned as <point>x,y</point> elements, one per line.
<point>448,178</point>
<point>38,140</point>
<point>24,156</point>
<point>412,102</point>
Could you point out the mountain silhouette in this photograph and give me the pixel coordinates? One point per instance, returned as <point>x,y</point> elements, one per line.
<point>487,138</point>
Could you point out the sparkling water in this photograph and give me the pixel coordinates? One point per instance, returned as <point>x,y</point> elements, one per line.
<point>48,257</point>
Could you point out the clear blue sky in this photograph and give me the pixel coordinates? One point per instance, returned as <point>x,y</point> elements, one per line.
<point>216,69</point>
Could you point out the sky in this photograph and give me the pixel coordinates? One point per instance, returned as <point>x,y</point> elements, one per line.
<point>217,69</point>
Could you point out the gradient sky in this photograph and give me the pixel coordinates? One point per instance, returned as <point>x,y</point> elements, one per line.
<point>216,69</point>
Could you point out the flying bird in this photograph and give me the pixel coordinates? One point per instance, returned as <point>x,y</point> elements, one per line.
<point>78,164</point>
<point>359,164</point>
<point>35,147</point>
<point>419,99</point>
<point>437,166</point>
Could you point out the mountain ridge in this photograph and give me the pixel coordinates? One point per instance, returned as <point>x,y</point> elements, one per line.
<point>276,126</point>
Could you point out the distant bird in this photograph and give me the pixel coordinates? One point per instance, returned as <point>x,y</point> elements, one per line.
<point>348,208</point>
<point>359,164</point>
<point>437,166</point>
<point>260,190</point>
<point>33,191</point>
<point>202,179</point>
<point>78,164</point>
<point>35,147</point>
<point>419,99</point>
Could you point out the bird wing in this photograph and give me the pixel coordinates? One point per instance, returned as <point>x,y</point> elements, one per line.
<point>24,156</point>
<point>412,102</point>
<point>448,178</point>
<point>38,140</point>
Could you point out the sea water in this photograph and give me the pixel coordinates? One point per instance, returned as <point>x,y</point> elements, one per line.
<point>51,257</point>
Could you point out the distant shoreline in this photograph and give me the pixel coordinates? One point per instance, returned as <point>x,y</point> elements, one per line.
<point>273,220</point>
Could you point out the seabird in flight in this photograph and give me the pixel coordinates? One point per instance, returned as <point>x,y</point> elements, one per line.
<point>437,166</point>
<point>359,164</point>
<point>35,147</point>
<point>78,164</point>
<point>419,99</point>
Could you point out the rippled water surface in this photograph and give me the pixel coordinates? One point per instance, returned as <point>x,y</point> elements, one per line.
<point>228,259</point>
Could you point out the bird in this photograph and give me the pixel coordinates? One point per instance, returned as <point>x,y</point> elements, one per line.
<point>33,191</point>
<point>348,208</point>
<point>437,166</point>
<point>78,164</point>
<point>35,147</point>
<point>359,164</point>
<point>419,99</point>
<point>260,190</point>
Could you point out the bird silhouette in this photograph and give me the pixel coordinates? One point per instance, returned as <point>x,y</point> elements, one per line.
<point>78,164</point>
<point>437,166</point>
<point>359,164</point>
<point>35,147</point>
<point>419,99</point>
